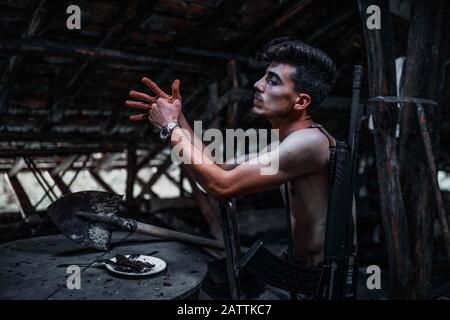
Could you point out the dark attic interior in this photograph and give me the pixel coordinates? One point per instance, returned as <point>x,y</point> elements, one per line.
<point>70,156</point>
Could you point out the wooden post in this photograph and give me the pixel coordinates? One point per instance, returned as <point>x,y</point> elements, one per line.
<point>181,181</point>
<point>427,42</point>
<point>142,184</point>
<point>60,183</point>
<point>26,208</point>
<point>233,73</point>
<point>131,174</point>
<point>19,164</point>
<point>161,169</point>
<point>64,165</point>
<point>45,47</point>
<point>382,81</point>
<point>206,209</point>
<point>442,216</point>
<point>171,179</point>
<point>101,182</point>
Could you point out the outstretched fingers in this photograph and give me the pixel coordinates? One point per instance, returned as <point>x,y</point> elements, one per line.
<point>139,117</point>
<point>146,101</point>
<point>142,96</point>
<point>176,90</point>
<point>137,105</point>
<point>154,87</point>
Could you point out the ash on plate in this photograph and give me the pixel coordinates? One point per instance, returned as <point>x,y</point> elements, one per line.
<point>131,264</point>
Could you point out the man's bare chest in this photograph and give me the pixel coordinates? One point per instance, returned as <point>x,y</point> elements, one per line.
<point>307,194</point>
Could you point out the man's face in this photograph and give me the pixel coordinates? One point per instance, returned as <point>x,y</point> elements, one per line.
<point>274,92</point>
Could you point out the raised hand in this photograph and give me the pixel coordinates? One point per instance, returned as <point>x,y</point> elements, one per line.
<point>146,101</point>
<point>164,111</point>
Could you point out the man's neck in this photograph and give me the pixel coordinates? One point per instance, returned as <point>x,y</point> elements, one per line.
<point>287,126</point>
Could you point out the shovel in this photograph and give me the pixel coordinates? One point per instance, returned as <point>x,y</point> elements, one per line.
<point>89,217</point>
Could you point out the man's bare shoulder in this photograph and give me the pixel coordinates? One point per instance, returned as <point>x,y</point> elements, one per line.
<point>305,143</point>
<point>310,137</point>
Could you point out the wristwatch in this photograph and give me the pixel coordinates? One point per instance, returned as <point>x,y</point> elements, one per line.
<point>166,131</point>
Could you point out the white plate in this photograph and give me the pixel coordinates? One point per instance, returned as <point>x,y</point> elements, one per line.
<point>160,266</point>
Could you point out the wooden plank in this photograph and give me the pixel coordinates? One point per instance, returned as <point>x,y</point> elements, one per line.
<point>330,25</point>
<point>216,54</point>
<point>427,48</point>
<point>107,161</point>
<point>60,183</point>
<point>171,179</point>
<point>169,204</point>
<point>10,73</point>
<point>26,208</point>
<point>57,151</point>
<point>64,165</point>
<point>80,78</point>
<point>131,174</point>
<point>18,165</point>
<point>234,95</point>
<point>288,13</point>
<point>233,74</point>
<point>382,81</point>
<point>160,171</point>
<point>150,191</point>
<point>100,181</point>
<point>72,137</point>
<point>180,183</point>
<point>45,47</point>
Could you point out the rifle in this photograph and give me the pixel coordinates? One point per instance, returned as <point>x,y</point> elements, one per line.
<point>340,273</point>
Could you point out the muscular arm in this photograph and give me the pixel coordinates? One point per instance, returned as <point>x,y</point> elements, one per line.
<point>234,162</point>
<point>298,154</point>
<point>184,124</point>
<point>198,143</point>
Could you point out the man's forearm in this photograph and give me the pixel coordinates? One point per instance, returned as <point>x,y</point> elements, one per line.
<point>230,164</point>
<point>198,143</point>
<point>202,168</point>
<point>184,124</point>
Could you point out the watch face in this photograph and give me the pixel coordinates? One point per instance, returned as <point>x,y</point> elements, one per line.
<point>164,133</point>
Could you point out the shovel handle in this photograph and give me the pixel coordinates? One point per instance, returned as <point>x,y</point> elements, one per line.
<point>176,235</point>
<point>144,228</point>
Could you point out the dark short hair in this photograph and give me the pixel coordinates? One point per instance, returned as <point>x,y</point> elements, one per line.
<point>314,70</point>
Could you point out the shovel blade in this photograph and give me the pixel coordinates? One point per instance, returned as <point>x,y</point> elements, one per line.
<point>87,233</point>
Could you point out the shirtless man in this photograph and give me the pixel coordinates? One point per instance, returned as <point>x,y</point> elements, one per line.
<point>297,79</point>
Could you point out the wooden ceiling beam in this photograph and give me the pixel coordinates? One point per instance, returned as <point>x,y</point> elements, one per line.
<point>287,14</point>
<point>64,165</point>
<point>45,47</point>
<point>26,208</point>
<point>11,74</point>
<point>18,165</point>
<point>97,178</point>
